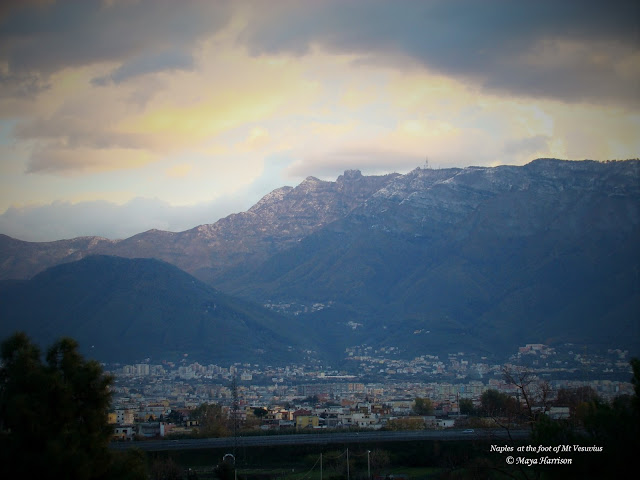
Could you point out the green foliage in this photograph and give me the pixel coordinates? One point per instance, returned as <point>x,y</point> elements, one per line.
<point>175,417</point>
<point>422,406</point>
<point>635,366</point>
<point>466,406</point>
<point>405,423</point>
<point>260,412</point>
<point>379,460</point>
<point>573,398</point>
<point>212,420</point>
<point>53,415</point>
<point>495,403</point>
<point>224,471</point>
<point>311,400</point>
<point>129,465</point>
<point>553,432</point>
<point>165,469</point>
<point>615,427</point>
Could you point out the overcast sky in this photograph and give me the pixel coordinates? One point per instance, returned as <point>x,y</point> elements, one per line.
<point>117,116</point>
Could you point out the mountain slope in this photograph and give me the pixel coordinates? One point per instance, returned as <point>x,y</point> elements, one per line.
<point>22,260</point>
<point>276,222</point>
<point>129,309</point>
<point>434,261</point>
<point>479,259</point>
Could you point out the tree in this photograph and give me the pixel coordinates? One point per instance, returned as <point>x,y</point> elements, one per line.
<point>260,412</point>
<point>311,400</point>
<point>406,423</point>
<point>572,397</point>
<point>225,470</point>
<point>422,406</point>
<point>53,415</point>
<point>466,406</point>
<point>175,417</point>
<point>497,404</point>
<point>212,420</point>
<point>614,427</point>
<point>379,460</point>
<point>533,392</point>
<point>635,367</point>
<point>129,465</point>
<point>165,469</point>
<point>575,398</point>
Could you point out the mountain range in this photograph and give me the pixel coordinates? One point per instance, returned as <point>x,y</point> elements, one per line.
<point>124,310</point>
<point>476,259</point>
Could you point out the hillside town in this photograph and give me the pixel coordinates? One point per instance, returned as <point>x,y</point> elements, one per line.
<point>372,390</point>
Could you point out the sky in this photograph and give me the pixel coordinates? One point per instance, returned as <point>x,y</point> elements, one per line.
<point>118,116</point>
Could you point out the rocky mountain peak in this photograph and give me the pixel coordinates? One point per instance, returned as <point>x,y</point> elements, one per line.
<point>479,257</point>
<point>311,181</point>
<point>270,198</point>
<point>430,199</point>
<point>349,175</point>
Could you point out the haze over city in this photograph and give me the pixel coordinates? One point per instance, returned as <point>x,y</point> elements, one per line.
<point>121,116</point>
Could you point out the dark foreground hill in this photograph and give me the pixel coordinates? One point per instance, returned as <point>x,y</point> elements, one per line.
<point>128,309</point>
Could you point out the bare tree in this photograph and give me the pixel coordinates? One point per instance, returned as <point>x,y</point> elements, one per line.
<point>535,393</point>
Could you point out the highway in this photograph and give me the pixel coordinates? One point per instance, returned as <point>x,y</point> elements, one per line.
<point>495,435</point>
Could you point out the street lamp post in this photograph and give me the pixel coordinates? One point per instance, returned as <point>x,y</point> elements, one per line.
<point>348,478</point>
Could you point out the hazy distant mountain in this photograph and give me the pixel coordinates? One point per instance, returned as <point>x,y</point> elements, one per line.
<point>21,260</point>
<point>128,309</point>
<point>279,220</point>
<point>434,261</point>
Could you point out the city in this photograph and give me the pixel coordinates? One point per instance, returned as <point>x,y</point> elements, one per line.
<point>372,390</point>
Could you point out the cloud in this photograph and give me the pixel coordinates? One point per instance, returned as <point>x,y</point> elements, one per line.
<point>527,146</point>
<point>21,86</point>
<point>573,50</point>
<point>66,161</point>
<point>8,7</point>
<point>197,100</point>
<point>60,219</point>
<point>570,50</point>
<point>79,127</point>
<point>73,131</point>
<point>258,137</point>
<point>179,171</point>
<point>370,160</point>
<point>160,62</point>
<point>40,39</point>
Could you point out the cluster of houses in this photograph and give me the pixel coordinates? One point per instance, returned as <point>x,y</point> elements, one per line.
<point>156,420</point>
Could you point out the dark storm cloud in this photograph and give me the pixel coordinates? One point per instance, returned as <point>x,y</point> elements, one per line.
<point>42,39</point>
<point>569,50</point>
<point>21,86</point>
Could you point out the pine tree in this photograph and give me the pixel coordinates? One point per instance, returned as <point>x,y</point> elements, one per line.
<point>53,414</point>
